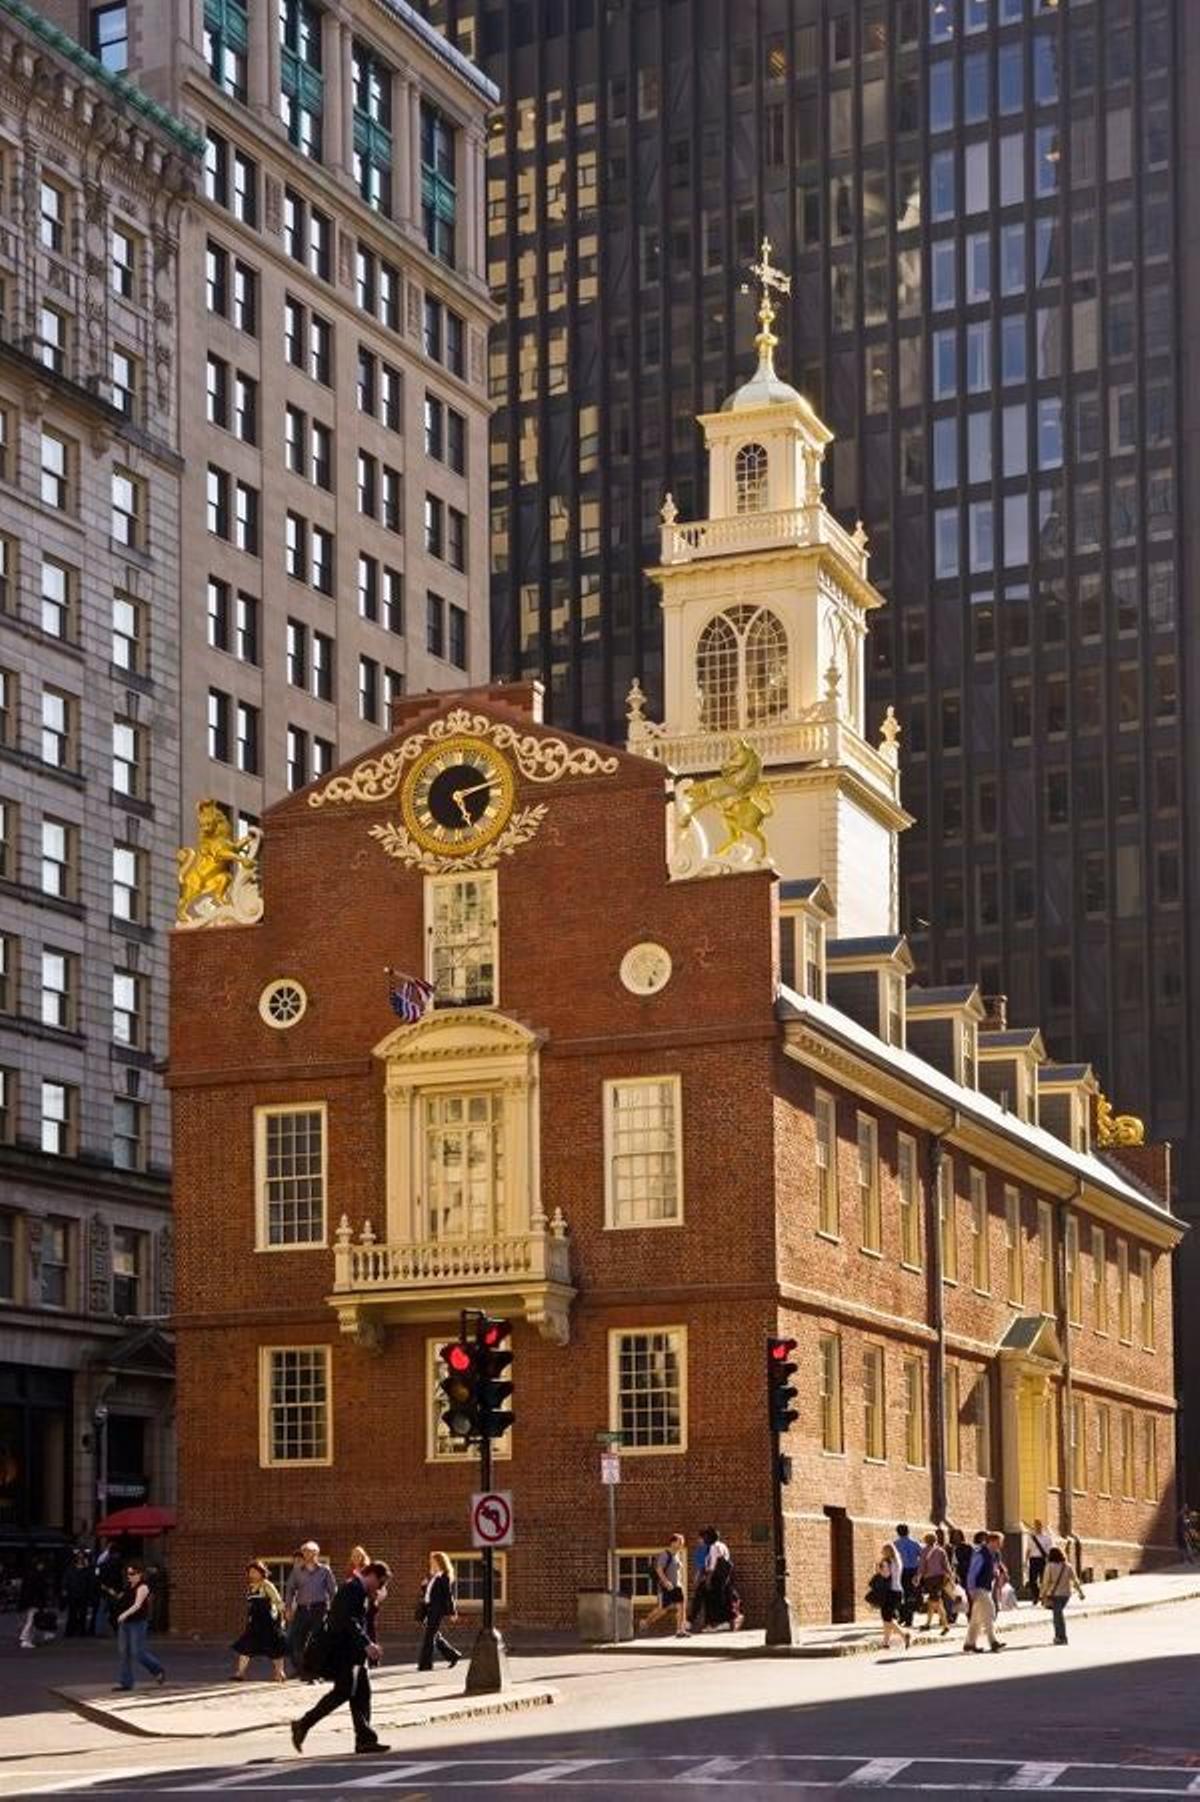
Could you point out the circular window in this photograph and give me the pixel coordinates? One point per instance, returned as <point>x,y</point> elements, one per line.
<point>282,1003</point>
<point>646,968</point>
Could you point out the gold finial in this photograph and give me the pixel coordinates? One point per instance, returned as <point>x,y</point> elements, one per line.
<point>769,280</point>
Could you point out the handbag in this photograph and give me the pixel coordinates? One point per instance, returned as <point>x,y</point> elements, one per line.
<point>45,1620</point>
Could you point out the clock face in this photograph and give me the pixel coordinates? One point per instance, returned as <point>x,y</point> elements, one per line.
<point>458,797</point>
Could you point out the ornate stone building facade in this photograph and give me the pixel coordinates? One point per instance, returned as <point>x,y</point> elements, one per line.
<point>94,178</point>
<point>663,1104</point>
<point>335,313</point>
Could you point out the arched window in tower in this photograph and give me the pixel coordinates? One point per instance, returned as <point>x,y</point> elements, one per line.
<point>750,478</point>
<point>717,657</point>
<point>766,669</point>
<point>742,669</point>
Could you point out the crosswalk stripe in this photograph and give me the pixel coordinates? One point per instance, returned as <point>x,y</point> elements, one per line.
<point>713,1770</point>
<point>1036,1776</point>
<point>876,1772</point>
<point>398,1773</point>
<point>557,1773</point>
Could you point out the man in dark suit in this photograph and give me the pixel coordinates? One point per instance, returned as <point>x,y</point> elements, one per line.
<point>349,1651</point>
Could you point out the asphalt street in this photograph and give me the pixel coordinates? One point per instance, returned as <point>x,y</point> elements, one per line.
<point>1114,1714</point>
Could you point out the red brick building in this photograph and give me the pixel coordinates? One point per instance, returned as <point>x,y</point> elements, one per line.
<point>675,1094</point>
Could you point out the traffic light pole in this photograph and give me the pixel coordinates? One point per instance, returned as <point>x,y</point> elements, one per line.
<point>781,1620</point>
<point>487,1672</point>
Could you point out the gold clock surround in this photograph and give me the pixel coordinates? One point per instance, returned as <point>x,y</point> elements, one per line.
<point>493,778</point>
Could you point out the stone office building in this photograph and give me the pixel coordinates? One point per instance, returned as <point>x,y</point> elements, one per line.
<point>663,1105</point>
<point>335,314</point>
<point>93,181</point>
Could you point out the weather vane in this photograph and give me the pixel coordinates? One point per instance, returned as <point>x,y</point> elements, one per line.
<point>769,280</point>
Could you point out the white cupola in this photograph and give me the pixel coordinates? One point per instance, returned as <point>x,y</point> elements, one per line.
<point>765,607</point>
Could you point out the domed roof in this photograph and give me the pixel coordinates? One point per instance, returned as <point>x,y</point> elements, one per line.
<point>764,389</point>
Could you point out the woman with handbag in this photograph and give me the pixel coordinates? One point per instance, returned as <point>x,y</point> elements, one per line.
<point>438,1603</point>
<point>1058,1581</point>
<point>262,1636</point>
<point>887,1594</point>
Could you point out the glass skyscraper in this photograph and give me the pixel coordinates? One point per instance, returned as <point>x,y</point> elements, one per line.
<point>983,205</point>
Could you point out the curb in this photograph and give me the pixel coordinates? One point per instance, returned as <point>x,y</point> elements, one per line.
<point>869,1646</point>
<point>420,1715</point>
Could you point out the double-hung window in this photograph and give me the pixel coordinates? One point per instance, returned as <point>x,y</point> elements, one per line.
<point>910,1201</point>
<point>439,201</point>
<point>461,932</point>
<point>373,129</point>
<point>825,1135</point>
<point>290,1152</point>
<point>301,86</point>
<point>643,1151</point>
<point>648,1388</point>
<point>296,1424</point>
<point>464,1164</point>
<point>870,1221</point>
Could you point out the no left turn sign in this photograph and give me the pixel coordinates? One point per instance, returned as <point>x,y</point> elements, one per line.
<point>492,1518</point>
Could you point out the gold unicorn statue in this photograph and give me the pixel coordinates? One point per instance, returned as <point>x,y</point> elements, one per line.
<point>740,795</point>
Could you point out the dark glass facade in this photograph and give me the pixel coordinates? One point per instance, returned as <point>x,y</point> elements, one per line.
<point>981,203</point>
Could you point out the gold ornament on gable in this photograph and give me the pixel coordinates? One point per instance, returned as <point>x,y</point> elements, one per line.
<point>218,875</point>
<point>1114,1129</point>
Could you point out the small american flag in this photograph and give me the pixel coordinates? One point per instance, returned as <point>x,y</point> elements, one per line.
<point>409,996</point>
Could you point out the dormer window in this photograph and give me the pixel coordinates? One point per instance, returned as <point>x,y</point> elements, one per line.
<point>742,669</point>
<point>750,479</point>
<point>968,1074</point>
<point>814,960</point>
<point>893,1007</point>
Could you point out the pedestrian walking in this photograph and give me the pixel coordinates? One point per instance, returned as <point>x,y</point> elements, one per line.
<point>722,1604</point>
<point>981,1602</point>
<point>887,1594</point>
<point>1058,1582</point>
<point>438,1603</point>
<point>1041,1541</point>
<point>667,1570</point>
<point>133,1624</point>
<point>909,1554</point>
<point>307,1594</point>
<point>39,1622</point>
<point>933,1575</point>
<point>699,1575</point>
<point>350,1650</point>
<point>77,1587</point>
<point>262,1636</point>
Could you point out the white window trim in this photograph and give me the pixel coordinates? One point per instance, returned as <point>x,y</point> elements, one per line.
<point>450,879</point>
<point>643,1554</point>
<point>903,1139</point>
<point>501,1448</point>
<point>610,1086</point>
<point>822,1097</point>
<point>977,1182</point>
<point>615,1335</point>
<point>499,1577</point>
<point>265,1460</point>
<point>261,1115</point>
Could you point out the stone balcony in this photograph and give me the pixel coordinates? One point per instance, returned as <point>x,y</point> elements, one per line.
<point>822,737</point>
<point>523,1276</point>
<point>790,527</point>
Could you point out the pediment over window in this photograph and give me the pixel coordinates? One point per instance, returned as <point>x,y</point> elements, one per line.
<point>466,1033</point>
<point>1033,1336</point>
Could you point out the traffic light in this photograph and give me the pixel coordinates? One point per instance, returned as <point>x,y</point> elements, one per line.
<point>494,1357</point>
<point>460,1389</point>
<point>781,1391</point>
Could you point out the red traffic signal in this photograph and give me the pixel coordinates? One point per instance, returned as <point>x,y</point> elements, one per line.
<point>460,1389</point>
<point>781,1391</point>
<point>456,1356</point>
<point>495,1390</point>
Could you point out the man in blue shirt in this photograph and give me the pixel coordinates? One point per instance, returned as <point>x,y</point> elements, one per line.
<point>909,1554</point>
<point>981,1601</point>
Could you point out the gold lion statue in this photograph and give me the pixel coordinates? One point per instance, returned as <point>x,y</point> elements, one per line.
<point>1117,1129</point>
<point>741,796</point>
<point>218,868</point>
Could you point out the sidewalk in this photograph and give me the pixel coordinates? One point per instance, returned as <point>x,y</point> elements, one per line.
<point>1123,1595</point>
<point>220,1711</point>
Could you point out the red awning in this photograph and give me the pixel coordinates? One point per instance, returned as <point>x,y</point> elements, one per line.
<point>143,1521</point>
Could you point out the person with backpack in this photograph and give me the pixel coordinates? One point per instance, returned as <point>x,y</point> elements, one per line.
<point>981,1601</point>
<point>667,1571</point>
<point>933,1576</point>
<point>1058,1581</point>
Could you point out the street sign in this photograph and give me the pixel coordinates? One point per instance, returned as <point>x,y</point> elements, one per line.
<point>610,1467</point>
<point>611,1440</point>
<point>492,1518</point>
